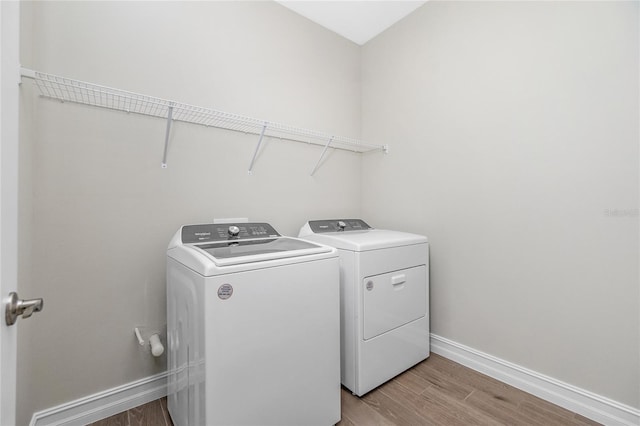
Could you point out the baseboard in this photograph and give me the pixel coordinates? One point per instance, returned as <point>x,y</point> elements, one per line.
<point>603,410</point>
<point>585,403</point>
<point>104,404</point>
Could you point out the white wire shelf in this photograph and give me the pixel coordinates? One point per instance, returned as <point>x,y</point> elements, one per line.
<point>69,90</point>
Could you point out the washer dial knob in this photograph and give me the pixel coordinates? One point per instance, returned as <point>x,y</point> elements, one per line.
<point>341,225</point>
<point>234,231</point>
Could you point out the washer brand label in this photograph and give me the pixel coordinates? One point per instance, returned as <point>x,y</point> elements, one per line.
<point>369,285</point>
<point>225,291</point>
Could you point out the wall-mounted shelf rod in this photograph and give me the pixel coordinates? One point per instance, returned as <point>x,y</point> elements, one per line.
<point>69,90</point>
<point>255,153</point>
<point>166,137</point>
<point>322,156</point>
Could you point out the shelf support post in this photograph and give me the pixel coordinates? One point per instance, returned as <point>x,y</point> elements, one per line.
<point>166,136</point>
<point>255,153</point>
<point>322,155</point>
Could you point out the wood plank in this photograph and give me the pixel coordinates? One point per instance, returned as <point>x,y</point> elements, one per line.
<point>460,409</point>
<point>498,409</point>
<point>360,413</point>
<point>392,410</point>
<point>344,421</point>
<point>497,389</point>
<point>583,421</point>
<point>531,402</point>
<point>455,380</point>
<point>120,419</point>
<point>443,380</point>
<point>538,415</point>
<point>147,415</point>
<point>165,411</point>
<point>412,381</point>
<point>436,411</point>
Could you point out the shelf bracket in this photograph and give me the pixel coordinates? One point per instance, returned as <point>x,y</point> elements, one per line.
<point>166,136</point>
<point>322,155</point>
<point>27,73</point>
<point>255,153</point>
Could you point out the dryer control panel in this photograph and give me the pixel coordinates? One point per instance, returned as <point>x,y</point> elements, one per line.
<point>338,225</point>
<point>227,231</point>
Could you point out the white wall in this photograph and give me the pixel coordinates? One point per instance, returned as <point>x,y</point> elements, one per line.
<point>97,209</point>
<point>514,138</point>
<point>514,147</point>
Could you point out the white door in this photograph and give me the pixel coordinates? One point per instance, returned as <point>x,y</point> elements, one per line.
<point>9,75</point>
<point>393,299</point>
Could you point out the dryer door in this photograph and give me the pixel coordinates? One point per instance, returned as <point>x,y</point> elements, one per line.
<point>393,299</point>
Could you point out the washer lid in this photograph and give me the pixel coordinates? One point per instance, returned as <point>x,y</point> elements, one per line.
<point>243,251</point>
<point>212,249</point>
<point>225,253</point>
<point>370,239</point>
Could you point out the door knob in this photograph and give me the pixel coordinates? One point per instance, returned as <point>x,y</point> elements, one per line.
<point>16,307</point>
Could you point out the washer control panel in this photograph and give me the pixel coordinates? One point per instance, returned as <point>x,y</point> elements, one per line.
<point>226,231</point>
<point>338,225</point>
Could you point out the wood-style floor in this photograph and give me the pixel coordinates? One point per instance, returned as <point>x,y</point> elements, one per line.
<point>154,413</point>
<point>435,392</point>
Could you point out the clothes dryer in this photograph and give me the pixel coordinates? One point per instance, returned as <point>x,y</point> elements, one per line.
<point>384,306</point>
<point>252,327</point>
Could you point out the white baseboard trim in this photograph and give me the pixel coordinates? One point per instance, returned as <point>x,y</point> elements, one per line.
<point>103,404</point>
<point>585,403</point>
<point>606,411</point>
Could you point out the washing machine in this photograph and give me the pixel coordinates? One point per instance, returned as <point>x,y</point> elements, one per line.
<point>252,327</point>
<point>384,308</point>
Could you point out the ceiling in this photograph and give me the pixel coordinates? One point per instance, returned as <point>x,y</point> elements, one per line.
<point>358,21</point>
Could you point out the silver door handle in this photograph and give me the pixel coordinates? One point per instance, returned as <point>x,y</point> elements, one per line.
<point>16,307</point>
